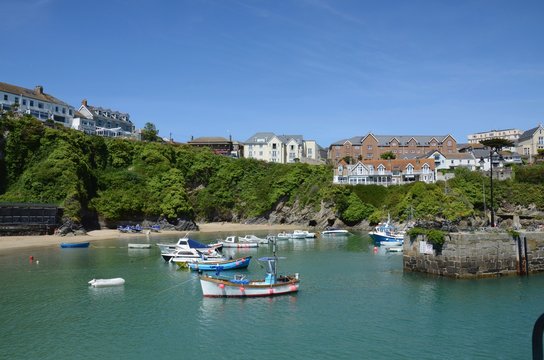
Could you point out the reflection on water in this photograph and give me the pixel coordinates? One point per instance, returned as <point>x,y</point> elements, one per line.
<point>350,300</point>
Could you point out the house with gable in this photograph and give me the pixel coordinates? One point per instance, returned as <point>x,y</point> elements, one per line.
<point>385,172</point>
<point>371,146</point>
<point>453,161</point>
<point>530,142</point>
<point>36,103</point>
<point>270,147</point>
<point>107,122</point>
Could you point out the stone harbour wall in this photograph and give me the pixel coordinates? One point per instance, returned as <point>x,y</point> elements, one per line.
<point>476,255</point>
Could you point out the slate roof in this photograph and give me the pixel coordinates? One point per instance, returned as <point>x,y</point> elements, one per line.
<point>33,94</point>
<point>527,135</point>
<point>383,140</point>
<point>269,135</point>
<point>210,140</point>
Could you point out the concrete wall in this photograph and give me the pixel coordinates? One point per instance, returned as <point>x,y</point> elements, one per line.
<point>473,255</point>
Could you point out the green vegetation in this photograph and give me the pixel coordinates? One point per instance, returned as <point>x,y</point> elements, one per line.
<point>435,237</point>
<point>119,179</point>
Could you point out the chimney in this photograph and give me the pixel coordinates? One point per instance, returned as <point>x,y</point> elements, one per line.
<point>84,102</point>
<point>38,89</point>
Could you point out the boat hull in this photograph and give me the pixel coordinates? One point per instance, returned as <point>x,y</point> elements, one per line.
<point>240,245</point>
<point>75,245</point>
<point>212,287</point>
<point>223,265</point>
<point>107,282</point>
<point>383,239</point>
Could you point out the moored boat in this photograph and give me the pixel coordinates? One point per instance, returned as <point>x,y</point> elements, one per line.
<point>214,265</point>
<point>190,254</point>
<point>233,242</point>
<point>139,246</point>
<point>106,282</point>
<point>329,230</point>
<point>186,243</point>
<point>303,234</point>
<point>252,239</point>
<point>238,286</point>
<point>75,245</point>
<point>386,234</point>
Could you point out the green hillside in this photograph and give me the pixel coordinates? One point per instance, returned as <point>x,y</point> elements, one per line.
<point>117,179</point>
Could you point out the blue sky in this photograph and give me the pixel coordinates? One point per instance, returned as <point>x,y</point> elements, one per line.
<point>324,69</point>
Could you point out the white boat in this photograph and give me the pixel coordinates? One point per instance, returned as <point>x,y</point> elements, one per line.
<point>252,239</point>
<point>238,286</point>
<point>334,231</point>
<point>107,282</point>
<point>233,242</point>
<point>398,248</point>
<point>189,254</point>
<point>297,234</point>
<point>284,236</point>
<point>139,246</point>
<point>186,243</point>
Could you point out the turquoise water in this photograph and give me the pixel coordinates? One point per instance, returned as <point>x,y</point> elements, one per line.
<point>353,304</point>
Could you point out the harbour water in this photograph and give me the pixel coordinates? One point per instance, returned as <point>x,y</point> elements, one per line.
<point>353,304</point>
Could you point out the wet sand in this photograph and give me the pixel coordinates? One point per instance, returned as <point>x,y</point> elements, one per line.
<point>19,242</point>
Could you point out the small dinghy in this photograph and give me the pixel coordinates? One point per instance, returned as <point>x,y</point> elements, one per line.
<point>75,245</point>
<point>107,282</point>
<point>139,246</point>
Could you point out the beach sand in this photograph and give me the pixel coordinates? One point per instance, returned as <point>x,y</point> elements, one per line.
<point>20,242</point>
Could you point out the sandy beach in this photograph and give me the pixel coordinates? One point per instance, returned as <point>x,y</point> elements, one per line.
<point>19,242</point>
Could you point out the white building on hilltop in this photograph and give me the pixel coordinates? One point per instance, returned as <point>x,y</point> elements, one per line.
<point>283,149</point>
<point>108,123</point>
<point>507,134</point>
<point>36,103</point>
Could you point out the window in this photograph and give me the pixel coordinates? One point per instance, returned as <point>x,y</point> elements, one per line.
<point>31,102</point>
<point>274,146</point>
<point>56,109</point>
<point>292,147</point>
<point>425,169</point>
<point>64,110</point>
<point>24,101</point>
<point>40,105</point>
<point>369,147</point>
<point>16,100</point>
<point>5,97</point>
<point>409,169</point>
<point>274,153</point>
<point>381,169</point>
<point>340,169</point>
<point>260,153</point>
<point>309,152</point>
<point>541,140</point>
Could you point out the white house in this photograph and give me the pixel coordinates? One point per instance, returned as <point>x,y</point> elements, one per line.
<point>270,147</point>
<point>36,103</point>
<point>453,161</point>
<point>108,123</point>
<point>530,142</point>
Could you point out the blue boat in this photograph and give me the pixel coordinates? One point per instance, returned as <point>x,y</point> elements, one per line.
<point>386,234</point>
<point>75,245</point>
<point>213,265</point>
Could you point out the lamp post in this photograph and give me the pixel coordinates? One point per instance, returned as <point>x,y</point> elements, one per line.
<point>482,163</point>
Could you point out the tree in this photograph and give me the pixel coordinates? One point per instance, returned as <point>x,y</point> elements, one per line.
<point>149,132</point>
<point>497,144</point>
<point>388,156</point>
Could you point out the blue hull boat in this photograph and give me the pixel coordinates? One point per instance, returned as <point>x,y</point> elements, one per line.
<point>387,234</point>
<point>75,245</point>
<point>210,265</point>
